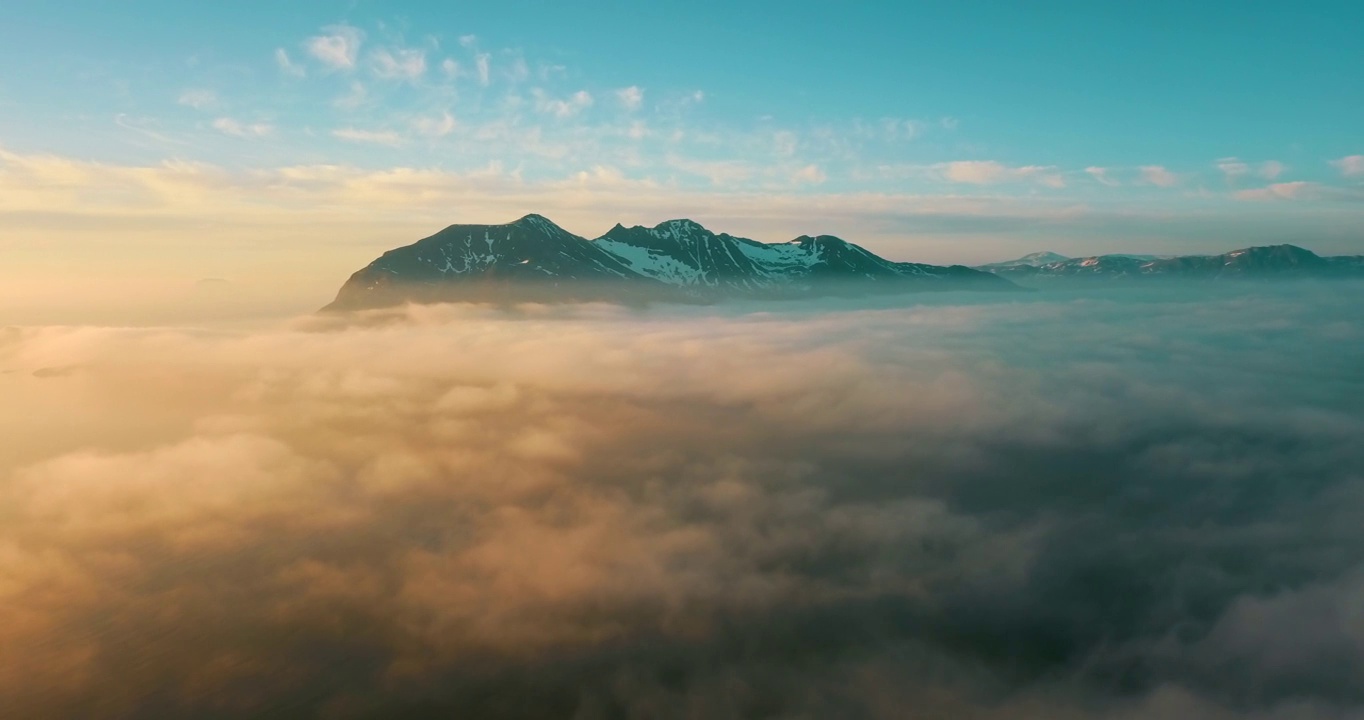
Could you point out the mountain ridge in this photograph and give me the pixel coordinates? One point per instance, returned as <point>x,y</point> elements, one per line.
<point>534,260</point>
<point>1261,261</point>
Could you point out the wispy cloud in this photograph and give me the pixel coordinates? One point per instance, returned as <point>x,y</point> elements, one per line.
<point>1232,169</point>
<point>808,175</point>
<point>435,127</point>
<point>403,64</point>
<point>450,68</point>
<point>1157,175</point>
<point>562,108</point>
<point>1302,190</point>
<point>235,128</point>
<point>1350,165</point>
<point>198,99</point>
<point>338,47</point>
<point>1101,175</point>
<point>631,98</point>
<point>373,137</point>
<point>287,65</point>
<point>989,172</point>
<point>482,64</point>
<point>1279,191</point>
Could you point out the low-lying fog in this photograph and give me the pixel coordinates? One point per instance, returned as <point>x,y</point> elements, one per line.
<point>1117,504</point>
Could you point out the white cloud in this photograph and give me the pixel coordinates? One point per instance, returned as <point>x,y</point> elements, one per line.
<point>436,127</point>
<point>482,63</point>
<point>901,129</point>
<point>198,99</point>
<point>287,66</point>
<point>1279,191</point>
<point>468,41</point>
<point>569,107</point>
<point>631,98</point>
<point>1232,168</point>
<point>989,172</point>
<point>1101,174</point>
<point>1350,165</point>
<point>949,123</point>
<point>450,68</point>
<point>374,137</point>
<point>228,126</point>
<point>338,48</point>
<point>1157,175</point>
<point>808,175</point>
<point>404,64</point>
<point>719,172</point>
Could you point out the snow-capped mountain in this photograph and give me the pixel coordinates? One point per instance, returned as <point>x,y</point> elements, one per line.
<point>1272,261</point>
<point>1036,259</point>
<point>532,259</point>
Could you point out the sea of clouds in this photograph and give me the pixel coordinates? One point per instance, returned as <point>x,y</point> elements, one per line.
<point>1117,505</point>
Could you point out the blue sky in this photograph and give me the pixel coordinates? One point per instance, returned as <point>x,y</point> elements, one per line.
<point>938,131</point>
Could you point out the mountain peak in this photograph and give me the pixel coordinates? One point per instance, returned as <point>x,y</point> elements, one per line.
<point>534,260</point>
<point>536,221</point>
<point>680,226</point>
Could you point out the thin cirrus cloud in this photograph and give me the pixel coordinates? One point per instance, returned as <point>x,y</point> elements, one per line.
<point>562,107</point>
<point>1233,169</point>
<point>1159,176</point>
<point>287,65</point>
<point>236,128</point>
<point>198,99</point>
<point>372,137</point>
<point>808,175</point>
<point>1272,169</point>
<point>482,64</point>
<point>435,127</point>
<point>1350,165</point>
<point>404,64</point>
<point>1279,191</point>
<point>989,172</point>
<point>1101,174</point>
<point>338,47</point>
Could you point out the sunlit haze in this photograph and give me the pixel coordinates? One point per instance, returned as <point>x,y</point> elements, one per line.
<point>695,360</point>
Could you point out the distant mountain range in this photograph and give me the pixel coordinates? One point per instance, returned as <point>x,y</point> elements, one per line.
<point>1268,262</point>
<point>534,260</point>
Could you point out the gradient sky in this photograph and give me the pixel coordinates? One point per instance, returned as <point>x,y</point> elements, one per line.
<point>941,132</point>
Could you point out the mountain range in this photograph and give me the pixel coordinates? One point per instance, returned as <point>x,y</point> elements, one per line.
<point>1265,262</point>
<point>534,260</point>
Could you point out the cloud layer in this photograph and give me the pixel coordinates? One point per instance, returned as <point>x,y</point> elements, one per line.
<point>1046,508</point>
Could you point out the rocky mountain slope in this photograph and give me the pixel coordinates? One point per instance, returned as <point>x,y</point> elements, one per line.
<point>534,260</point>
